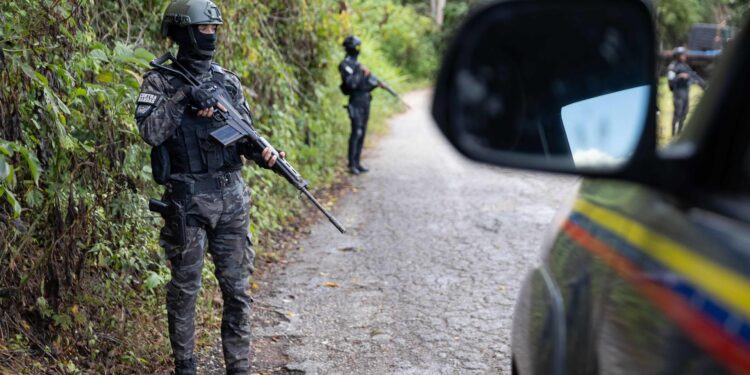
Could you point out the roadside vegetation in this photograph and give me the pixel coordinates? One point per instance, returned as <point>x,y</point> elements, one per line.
<point>82,276</point>
<point>675,17</point>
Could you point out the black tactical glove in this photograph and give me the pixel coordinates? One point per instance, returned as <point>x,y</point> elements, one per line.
<point>201,97</point>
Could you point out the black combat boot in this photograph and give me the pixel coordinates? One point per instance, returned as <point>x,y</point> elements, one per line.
<point>352,165</point>
<point>184,367</point>
<point>362,169</point>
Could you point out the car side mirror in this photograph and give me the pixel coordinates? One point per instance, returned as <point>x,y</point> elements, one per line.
<point>559,86</point>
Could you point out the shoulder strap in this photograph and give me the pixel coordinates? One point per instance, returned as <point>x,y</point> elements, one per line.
<point>176,82</point>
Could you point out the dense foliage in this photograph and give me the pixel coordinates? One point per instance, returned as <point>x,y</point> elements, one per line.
<point>81,286</point>
<point>674,17</point>
<point>453,14</point>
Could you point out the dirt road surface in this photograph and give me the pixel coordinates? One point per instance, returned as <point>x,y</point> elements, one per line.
<point>426,278</point>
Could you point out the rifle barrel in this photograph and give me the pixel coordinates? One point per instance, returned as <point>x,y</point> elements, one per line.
<point>394,93</point>
<point>389,89</point>
<point>323,210</point>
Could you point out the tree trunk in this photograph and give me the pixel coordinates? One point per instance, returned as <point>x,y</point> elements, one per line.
<point>437,11</point>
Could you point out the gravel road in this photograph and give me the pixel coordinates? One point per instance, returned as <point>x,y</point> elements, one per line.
<point>425,280</point>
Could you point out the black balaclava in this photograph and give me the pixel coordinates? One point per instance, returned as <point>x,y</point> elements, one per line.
<point>205,42</point>
<point>352,51</point>
<point>190,53</point>
<point>352,44</point>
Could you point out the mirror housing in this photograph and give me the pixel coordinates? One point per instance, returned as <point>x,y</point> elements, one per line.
<point>566,87</point>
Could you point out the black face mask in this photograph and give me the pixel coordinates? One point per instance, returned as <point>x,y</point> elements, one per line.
<point>202,49</point>
<point>354,52</point>
<point>205,42</point>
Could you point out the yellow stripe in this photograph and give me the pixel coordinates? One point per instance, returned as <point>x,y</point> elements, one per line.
<point>724,284</point>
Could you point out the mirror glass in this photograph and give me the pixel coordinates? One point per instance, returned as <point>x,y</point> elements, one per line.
<point>550,85</point>
<point>603,131</point>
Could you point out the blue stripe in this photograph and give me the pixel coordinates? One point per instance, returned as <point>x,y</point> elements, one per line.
<point>733,324</point>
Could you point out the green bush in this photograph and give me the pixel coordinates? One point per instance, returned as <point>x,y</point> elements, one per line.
<point>81,286</point>
<point>404,36</point>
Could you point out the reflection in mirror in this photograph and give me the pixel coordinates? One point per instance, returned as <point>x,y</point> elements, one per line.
<point>550,85</point>
<point>603,131</point>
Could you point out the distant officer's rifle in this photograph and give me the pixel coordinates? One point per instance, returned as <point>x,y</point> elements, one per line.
<point>239,127</point>
<point>377,81</point>
<point>693,77</point>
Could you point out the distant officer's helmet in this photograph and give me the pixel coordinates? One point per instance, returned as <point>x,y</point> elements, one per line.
<point>183,13</point>
<point>352,44</point>
<point>679,51</point>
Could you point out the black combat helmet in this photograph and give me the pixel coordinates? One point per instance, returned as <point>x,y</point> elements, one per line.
<point>352,45</point>
<point>181,21</point>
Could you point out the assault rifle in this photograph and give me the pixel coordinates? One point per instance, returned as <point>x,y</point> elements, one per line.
<point>237,127</point>
<point>377,81</point>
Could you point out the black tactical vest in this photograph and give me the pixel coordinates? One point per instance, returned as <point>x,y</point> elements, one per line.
<point>191,148</point>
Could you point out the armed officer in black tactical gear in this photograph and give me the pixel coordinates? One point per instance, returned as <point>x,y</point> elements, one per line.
<point>356,82</point>
<point>208,201</point>
<point>680,76</point>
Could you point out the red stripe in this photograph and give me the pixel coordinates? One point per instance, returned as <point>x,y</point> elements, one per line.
<point>704,331</point>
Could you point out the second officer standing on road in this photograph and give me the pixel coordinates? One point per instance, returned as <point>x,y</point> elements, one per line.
<point>356,82</point>
<point>680,77</point>
<point>206,198</point>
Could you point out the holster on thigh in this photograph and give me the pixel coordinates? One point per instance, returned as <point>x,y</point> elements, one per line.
<point>174,234</point>
<point>175,223</point>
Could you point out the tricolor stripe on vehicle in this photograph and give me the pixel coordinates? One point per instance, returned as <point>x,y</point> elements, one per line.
<point>700,296</point>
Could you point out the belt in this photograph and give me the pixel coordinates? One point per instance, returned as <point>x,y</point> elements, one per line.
<point>360,97</point>
<point>205,185</point>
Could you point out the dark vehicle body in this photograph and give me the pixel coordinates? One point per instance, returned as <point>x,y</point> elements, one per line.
<point>637,281</point>
<point>647,270</point>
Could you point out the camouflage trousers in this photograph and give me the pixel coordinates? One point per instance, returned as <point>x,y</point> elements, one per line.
<point>219,218</point>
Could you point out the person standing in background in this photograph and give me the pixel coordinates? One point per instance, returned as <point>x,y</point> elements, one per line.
<point>357,83</point>
<point>680,77</point>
